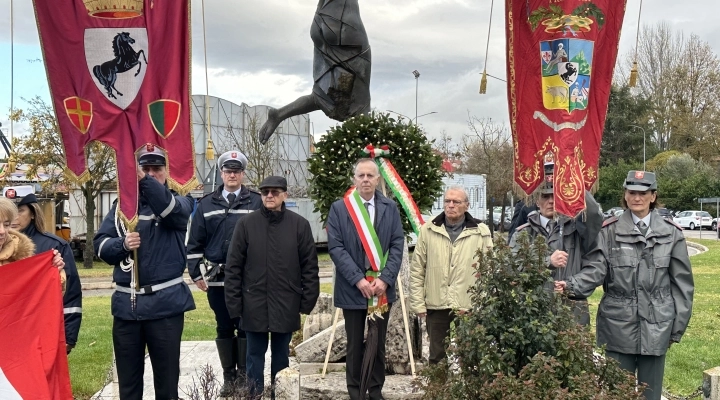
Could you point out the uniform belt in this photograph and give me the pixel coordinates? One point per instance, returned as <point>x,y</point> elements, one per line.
<point>150,288</point>
<point>216,283</point>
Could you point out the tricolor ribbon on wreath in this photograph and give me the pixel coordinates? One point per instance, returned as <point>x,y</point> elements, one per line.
<point>361,220</point>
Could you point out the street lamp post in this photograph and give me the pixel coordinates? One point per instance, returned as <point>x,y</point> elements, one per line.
<point>643,131</point>
<point>417,75</point>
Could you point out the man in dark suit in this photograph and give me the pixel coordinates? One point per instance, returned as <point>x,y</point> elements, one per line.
<point>352,289</point>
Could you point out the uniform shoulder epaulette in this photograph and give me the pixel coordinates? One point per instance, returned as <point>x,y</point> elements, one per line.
<point>609,221</point>
<point>521,227</point>
<point>673,223</point>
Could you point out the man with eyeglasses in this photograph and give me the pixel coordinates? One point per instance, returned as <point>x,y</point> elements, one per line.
<point>352,289</point>
<point>271,278</point>
<point>568,239</point>
<point>211,229</point>
<point>442,267</point>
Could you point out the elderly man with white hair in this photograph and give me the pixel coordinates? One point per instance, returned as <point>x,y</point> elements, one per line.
<point>442,267</point>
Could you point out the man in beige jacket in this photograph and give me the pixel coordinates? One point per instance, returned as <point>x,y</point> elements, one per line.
<point>442,267</point>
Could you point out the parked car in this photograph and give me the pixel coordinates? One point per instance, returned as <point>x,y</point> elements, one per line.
<point>613,212</point>
<point>694,219</point>
<point>664,212</point>
<point>506,223</point>
<point>714,224</point>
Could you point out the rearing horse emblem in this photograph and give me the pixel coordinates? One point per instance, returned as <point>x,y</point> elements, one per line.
<point>110,54</point>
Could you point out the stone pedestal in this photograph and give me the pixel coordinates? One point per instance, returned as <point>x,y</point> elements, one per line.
<point>287,384</point>
<point>711,384</point>
<point>321,316</point>
<point>313,349</point>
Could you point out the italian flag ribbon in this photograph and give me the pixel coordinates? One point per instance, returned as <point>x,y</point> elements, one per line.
<point>396,184</point>
<point>371,244</point>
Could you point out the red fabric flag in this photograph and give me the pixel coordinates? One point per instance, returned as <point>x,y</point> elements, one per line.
<point>119,73</point>
<point>561,56</point>
<point>33,360</point>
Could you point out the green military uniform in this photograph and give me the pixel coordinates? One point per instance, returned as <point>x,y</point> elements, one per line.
<point>648,286</point>
<point>574,236</point>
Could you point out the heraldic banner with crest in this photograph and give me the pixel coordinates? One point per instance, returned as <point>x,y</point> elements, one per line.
<point>561,55</point>
<point>119,73</point>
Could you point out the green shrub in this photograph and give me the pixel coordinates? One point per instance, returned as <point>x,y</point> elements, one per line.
<point>520,342</point>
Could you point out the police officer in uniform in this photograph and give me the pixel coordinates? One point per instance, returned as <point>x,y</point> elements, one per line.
<point>157,317</point>
<point>568,239</point>
<point>211,229</point>
<point>641,260</point>
<point>30,221</point>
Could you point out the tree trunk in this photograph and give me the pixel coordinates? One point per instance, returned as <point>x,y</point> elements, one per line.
<point>89,251</point>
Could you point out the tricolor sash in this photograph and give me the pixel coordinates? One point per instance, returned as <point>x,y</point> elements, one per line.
<point>371,244</point>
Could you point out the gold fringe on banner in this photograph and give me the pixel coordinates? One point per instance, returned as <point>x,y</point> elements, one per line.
<point>633,75</point>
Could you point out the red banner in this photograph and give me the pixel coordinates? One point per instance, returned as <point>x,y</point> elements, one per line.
<point>33,360</point>
<point>561,55</point>
<point>119,73</point>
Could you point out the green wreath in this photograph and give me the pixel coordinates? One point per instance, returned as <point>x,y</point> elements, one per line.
<point>410,153</point>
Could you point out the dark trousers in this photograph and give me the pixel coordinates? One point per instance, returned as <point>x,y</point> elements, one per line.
<point>257,344</point>
<point>162,338</point>
<point>355,327</point>
<point>226,326</point>
<point>438,328</point>
<point>649,369</point>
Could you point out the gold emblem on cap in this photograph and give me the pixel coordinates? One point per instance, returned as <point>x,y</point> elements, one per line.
<point>114,9</point>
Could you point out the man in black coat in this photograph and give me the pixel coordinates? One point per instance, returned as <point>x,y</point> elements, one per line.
<point>271,277</point>
<point>211,230</point>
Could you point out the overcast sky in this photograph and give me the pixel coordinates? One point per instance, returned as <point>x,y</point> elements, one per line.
<point>260,52</point>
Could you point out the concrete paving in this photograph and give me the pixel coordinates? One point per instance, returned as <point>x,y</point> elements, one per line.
<point>194,355</point>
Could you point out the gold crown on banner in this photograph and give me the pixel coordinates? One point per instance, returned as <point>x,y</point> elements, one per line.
<point>114,9</point>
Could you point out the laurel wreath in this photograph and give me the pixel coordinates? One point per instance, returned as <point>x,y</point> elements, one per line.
<point>411,153</point>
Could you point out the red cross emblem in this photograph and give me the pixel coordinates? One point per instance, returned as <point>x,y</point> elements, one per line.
<point>80,112</point>
<point>150,147</point>
<point>639,174</point>
<point>233,155</point>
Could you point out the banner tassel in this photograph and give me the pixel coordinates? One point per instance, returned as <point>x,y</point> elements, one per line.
<point>634,70</point>
<point>633,75</point>
<point>483,80</point>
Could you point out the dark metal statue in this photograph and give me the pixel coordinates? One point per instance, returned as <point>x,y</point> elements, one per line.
<point>341,67</point>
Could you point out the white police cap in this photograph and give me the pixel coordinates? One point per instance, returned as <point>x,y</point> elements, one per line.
<point>233,159</point>
<point>150,154</point>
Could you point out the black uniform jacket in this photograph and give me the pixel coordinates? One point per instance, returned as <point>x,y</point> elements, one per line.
<point>72,300</point>
<point>212,227</point>
<point>272,271</point>
<point>163,216</point>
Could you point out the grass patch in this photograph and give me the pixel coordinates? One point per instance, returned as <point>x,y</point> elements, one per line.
<point>91,359</point>
<point>323,255</point>
<point>686,361</point>
<point>100,269</point>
